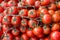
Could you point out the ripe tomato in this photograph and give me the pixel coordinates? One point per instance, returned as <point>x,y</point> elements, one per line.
<point>15,32</point>
<point>23,12</point>
<point>6,0</point>
<point>33,38</point>
<point>5,28</point>
<point>32,23</point>
<point>55,27</point>
<point>46,29</point>
<point>13,10</point>
<point>1,1</point>
<point>52,6</point>
<point>8,36</point>
<point>12,3</point>
<point>58,5</point>
<point>46,19</point>
<point>51,12</point>
<point>46,38</point>
<point>1,17</point>
<point>55,35</point>
<point>38,31</point>
<point>24,22</point>
<point>38,13</point>
<point>30,2</point>
<point>32,13</point>
<point>16,20</point>
<point>29,32</point>
<point>37,4</point>
<point>23,29</point>
<point>17,38</point>
<point>24,37</point>
<point>56,17</point>
<point>1,9</point>
<point>45,2</point>
<point>7,20</point>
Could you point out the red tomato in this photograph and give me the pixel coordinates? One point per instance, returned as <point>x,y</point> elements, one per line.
<point>1,9</point>
<point>46,19</point>
<point>15,32</point>
<point>17,38</point>
<point>16,20</point>
<point>55,35</point>
<point>38,13</point>
<point>6,0</point>
<point>8,36</point>
<point>1,17</point>
<point>33,38</point>
<point>56,17</point>
<point>1,1</point>
<point>32,23</point>
<point>24,37</point>
<point>37,4</point>
<point>29,32</point>
<point>32,13</point>
<point>13,10</point>
<point>24,22</point>
<point>52,6</point>
<point>45,2</point>
<point>46,29</point>
<point>7,20</point>
<point>46,38</point>
<point>55,27</point>
<point>23,12</point>
<point>12,3</point>
<point>23,29</point>
<point>5,28</point>
<point>38,31</point>
<point>30,2</point>
<point>58,5</point>
<point>51,12</point>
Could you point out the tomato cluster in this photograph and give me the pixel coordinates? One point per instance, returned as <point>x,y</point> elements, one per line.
<point>29,20</point>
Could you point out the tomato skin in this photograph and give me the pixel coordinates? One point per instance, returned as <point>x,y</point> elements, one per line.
<point>38,31</point>
<point>6,20</point>
<point>37,4</point>
<point>23,12</point>
<point>32,23</point>
<point>1,1</point>
<point>58,5</point>
<point>55,27</point>
<point>16,20</point>
<point>55,36</point>
<point>45,2</point>
<point>51,12</point>
<point>32,13</point>
<point>52,6</point>
<point>56,17</point>
<point>24,22</point>
<point>8,36</point>
<point>34,38</point>
<point>17,38</point>
<point>46,19</point>
<point>1,9</point>
<point>46,29</point>
<point>23,29</point>
<point>1,17</point>
<point>46,38</point>
<point>15,32</point>
<point>24,37</point>
<point>30,2</point>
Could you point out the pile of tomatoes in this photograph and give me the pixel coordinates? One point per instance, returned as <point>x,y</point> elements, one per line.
<point>29,20</point>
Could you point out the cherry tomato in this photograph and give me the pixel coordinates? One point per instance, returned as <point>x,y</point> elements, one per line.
<point>55,27</point>
<point>15,32</point>
<point>23,29</point>
<point>46,19</point>
<point>56,17</point>
<point>55,36</point>
<point>1,1</point>
<point>24,22</point>
<point>23,12</point>
<point>1,17</point>
<point>32,13</point>
<point>45,2</point>
<point>29,32</point>
<point>30,2</point>
<point>7,20</point>
<point>1,9</point>
<point>8,36</point>
<point>46,29</point>
<point>32,23</point>
<point>46,38</point>
<point>58,5</point>
<point>24,37</point>
<point>16,20</point>
<point>51,12</point>
<point>33,38</point>
<point>38,31</point>
<point>17,38</point>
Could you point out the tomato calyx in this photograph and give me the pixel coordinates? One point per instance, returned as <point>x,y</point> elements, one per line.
<point>14,19</point>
